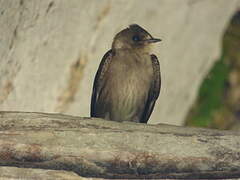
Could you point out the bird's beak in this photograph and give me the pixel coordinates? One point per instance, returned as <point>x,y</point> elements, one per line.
<point>153,40</point>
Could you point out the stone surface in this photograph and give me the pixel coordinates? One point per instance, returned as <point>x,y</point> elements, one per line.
<point>50,50</point>
<point>218,102</point>
<point>106,149</point>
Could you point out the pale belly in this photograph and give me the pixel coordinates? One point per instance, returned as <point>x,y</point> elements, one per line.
<point>126,93</point>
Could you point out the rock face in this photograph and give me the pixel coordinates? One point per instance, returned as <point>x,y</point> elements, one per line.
<point>50,50</point>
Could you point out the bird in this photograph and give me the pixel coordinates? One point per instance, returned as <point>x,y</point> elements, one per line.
<point>128,80</point>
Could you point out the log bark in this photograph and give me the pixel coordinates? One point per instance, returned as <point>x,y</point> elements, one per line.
<point>14,173</point>
<point>94,147</point>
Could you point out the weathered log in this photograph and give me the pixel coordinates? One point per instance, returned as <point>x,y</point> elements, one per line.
<point>98,148</point>
<point>12,173</point>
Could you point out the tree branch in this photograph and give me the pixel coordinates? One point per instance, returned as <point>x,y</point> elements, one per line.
<point>14,173</point>
<point>98,148</point>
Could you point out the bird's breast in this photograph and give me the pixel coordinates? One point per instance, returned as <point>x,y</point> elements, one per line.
<point>131,77</point>
<point>126,86</point>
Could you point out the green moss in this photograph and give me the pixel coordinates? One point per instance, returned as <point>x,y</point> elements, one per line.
<point>210,95</point>
<point>213,108</point>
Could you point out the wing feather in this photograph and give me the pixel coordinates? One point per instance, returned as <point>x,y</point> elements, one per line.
<point>98,83</point>
<point>154,90</point>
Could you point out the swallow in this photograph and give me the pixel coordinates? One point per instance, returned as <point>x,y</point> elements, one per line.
<point>128,81</point>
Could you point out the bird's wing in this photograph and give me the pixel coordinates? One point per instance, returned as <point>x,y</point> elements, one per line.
<point>154,90</point>
<point>98,83</point>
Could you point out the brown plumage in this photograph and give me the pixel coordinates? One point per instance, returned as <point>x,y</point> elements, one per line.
<point>127,83</point>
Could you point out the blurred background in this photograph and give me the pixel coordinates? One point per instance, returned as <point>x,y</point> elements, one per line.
<point>50,51</point>
<point>218,102</point>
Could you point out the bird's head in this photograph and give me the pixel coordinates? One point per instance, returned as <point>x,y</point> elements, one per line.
<point>133,37</point>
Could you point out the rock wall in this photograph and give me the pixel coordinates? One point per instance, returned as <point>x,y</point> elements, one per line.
<point>50,50</point>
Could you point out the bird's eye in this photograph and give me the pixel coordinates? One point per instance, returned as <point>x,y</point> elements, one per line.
<point>136,38</point>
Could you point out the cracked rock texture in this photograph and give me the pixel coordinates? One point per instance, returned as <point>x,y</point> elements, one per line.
<point>50,50</point>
